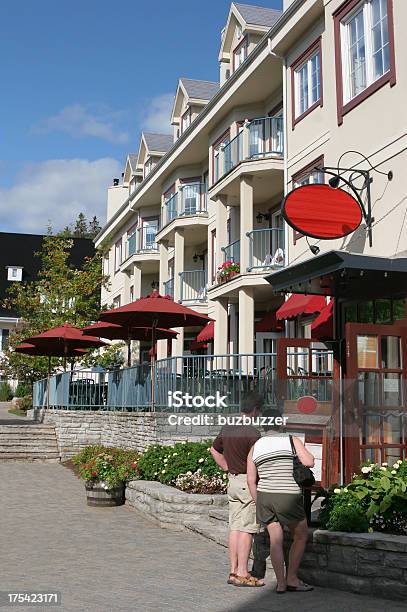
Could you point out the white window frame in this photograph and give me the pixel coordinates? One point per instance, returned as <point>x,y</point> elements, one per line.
<point>297,83</point>
<point>315,176</point>
<point>365,6</point>
<point>118,254</point>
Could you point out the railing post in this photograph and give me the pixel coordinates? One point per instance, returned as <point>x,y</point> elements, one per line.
<point>246,140</point>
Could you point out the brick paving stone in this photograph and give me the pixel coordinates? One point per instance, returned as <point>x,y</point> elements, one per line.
<point>114,559</point>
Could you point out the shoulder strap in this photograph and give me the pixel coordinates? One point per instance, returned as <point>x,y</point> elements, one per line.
<point>292,446</point>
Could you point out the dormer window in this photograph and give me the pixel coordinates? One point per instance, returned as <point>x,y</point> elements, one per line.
<point>15,273</point>
<point>186,120</point>
<point>239,33</point>
<point>240,53</point>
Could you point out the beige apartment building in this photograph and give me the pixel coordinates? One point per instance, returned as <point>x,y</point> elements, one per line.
<point>316,90</point>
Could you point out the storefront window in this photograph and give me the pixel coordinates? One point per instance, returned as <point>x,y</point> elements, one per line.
<point>390,346</point>
<point>383,311</point>
<point>367,347</point>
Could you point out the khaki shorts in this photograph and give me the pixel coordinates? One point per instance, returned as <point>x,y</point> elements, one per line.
<point>242,509</point>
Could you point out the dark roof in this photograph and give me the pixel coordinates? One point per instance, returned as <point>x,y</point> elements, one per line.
<point>258,15</point>
<point>344,275</point>
<point>18,250</point>
<point>202,90</point>
<point>158,142</point>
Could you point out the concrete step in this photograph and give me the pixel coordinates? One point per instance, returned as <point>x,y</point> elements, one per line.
<point>210,529</point>
<point>22,442</point>
<point>220,514</point>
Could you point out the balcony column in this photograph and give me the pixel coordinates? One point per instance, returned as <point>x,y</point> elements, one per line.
<point>221,229</point>
<point>137,281</point>
<point>246,220</point>
<point>233,327</point>
<point>163,265</point>
<point>246,327</point>
<point>220,341</point>
<point>179,241</point>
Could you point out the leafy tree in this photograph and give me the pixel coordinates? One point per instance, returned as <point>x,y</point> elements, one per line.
<point>81,227</point>
<point>94,227</point>
<point>60,294</point>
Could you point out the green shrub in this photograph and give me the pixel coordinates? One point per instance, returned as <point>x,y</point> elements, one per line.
<point>378,495</point>
<point>23,389</point>
<point>166,463</point>
<point>5,391</point>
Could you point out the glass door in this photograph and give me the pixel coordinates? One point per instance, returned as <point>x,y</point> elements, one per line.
<point>375,409</point>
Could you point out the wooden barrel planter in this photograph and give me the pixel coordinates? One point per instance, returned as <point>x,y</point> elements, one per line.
<point>97,495</point>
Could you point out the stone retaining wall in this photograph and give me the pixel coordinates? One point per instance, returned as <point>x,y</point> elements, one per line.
<point>365,563</point>
<point>135,430</point>
<point>168,506</point>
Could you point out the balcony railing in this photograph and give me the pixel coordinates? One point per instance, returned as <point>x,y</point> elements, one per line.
<point>266,248</point>
<point>232,375</point>
<point>193,286</point>
<point>189,200</point>
<point>262,137</point>
<point>169,287</point>
<point>143,240</point>
<point>231,252</point>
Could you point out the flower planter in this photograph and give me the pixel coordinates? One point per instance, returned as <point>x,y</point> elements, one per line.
<point>98,495</point>
<point>227,277</point>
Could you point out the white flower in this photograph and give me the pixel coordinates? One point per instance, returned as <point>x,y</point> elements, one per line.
<point>399,461</point>
<point>155,473</point>
<point>383,469</point>
<point>396,466</point>
<point>337,491</point>
<point>174,454</point>
<point>209,448</point>
<point>366,469</point>
<point>201,460</point>
<point>183,442</point>
<point>385,464</point>
<point>345,490</point>
<point>224,476</point>
<point>165,460</point>
<point>189,473</point>
<point>162,471</point>
<point>394,472</point>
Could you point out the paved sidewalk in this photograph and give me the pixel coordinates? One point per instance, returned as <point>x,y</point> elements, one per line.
<point>114,560</point>
<point>10,419</point>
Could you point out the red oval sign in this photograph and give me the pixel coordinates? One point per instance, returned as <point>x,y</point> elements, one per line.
<point>320,211</point>
<point>307,404</point>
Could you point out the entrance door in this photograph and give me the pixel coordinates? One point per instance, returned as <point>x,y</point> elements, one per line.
<point>307,374</point>
<point>375,389</point>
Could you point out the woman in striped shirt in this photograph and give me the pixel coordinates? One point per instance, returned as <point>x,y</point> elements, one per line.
<point>279,502</point>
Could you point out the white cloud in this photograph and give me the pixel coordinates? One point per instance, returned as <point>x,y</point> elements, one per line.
<point>57,191</point>
<point>80,121</point>
<point>158,114</point>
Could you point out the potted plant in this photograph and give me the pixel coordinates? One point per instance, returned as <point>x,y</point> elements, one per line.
<point>105,472</point>
<point>227,270</point>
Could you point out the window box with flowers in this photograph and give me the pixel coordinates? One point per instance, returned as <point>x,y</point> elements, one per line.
<point>227,271</point>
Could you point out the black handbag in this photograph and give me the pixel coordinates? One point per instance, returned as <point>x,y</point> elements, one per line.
<point>302,475</point>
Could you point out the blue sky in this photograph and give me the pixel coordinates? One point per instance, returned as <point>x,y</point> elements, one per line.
<point>80,79</point>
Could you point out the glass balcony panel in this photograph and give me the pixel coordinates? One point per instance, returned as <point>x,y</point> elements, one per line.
<point>194,286</point>
<point>266,248</point>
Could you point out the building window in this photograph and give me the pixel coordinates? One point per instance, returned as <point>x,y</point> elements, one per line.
<point>15,273</point>
<point>306,82</point>
<point>117,255</point>
<point>309,175</point>
<point>217,170</point>
<point>117,302</point>
<point>364,48</point>
<point>240,53</point>
<point>106,268</point>
<point>4,336</point>
<point>186,120</point>
<point>148,166</point>
<point>132,294</point>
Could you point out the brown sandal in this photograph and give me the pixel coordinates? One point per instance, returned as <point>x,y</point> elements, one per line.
<point>247,581</point>
<point>231,578</point>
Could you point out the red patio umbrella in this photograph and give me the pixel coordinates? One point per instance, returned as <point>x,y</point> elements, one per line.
<point>60,340</point>
<point>30,349</point>
<point>113,331</point>
<point>154,311</point>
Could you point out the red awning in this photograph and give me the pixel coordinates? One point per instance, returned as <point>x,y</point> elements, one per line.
<point>207,333</point>
<point>300,304</point>
<point>269,323</point>
<point>323,326</point>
